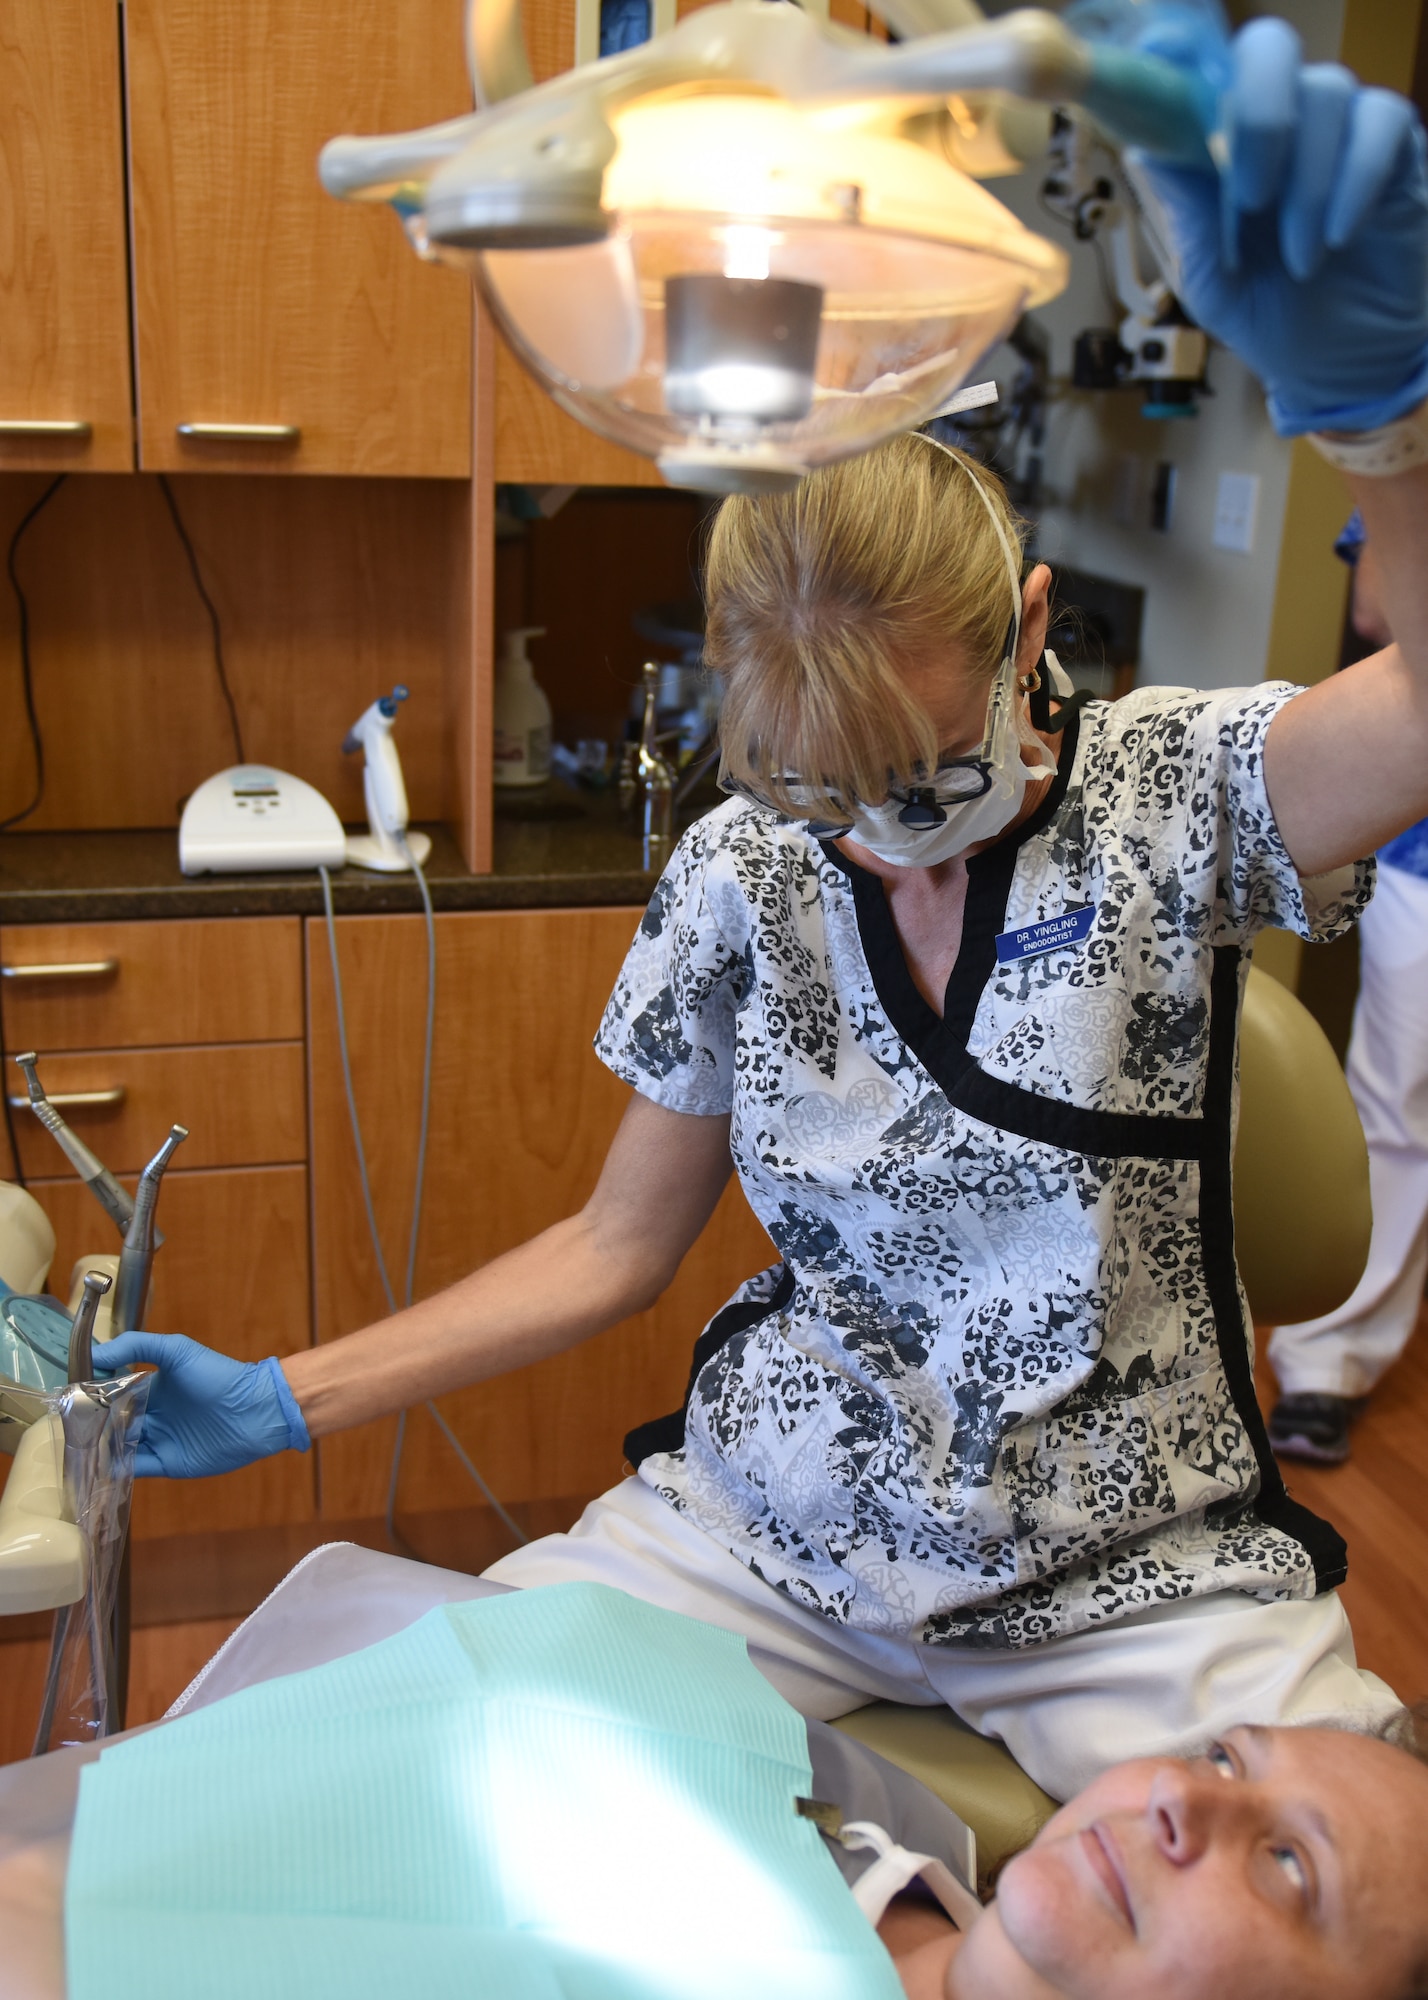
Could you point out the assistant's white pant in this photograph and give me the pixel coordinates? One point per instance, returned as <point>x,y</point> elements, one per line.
<point>1346,1352</point>
<point>1161,1683</point>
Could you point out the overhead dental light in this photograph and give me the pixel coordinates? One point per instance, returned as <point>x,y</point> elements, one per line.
<point>750,247</point>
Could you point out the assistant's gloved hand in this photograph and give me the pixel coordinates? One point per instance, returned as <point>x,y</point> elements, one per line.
<point>1308,254</point>
<point>206,1413</point>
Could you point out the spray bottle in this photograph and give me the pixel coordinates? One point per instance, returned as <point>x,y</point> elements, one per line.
<point>522,714</point>
<point>382,848</point>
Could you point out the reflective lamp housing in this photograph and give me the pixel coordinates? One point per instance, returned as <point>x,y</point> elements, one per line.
<point>745,248</point>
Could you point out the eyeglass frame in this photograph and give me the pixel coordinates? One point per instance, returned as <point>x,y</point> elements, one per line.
<point>922,797</point>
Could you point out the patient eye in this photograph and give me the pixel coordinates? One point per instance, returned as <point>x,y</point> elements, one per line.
<point>1290,1861</point>
<point>1222,1760</point>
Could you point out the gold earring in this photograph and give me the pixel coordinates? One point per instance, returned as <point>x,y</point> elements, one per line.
<point>1030,683</point>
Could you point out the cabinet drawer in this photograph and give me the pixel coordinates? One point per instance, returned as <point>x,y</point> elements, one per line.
<point>197,979</point>
<point>233,1273</point>
<point>243,1103</point>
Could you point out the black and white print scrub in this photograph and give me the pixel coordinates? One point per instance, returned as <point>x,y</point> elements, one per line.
<point>998,1390</point>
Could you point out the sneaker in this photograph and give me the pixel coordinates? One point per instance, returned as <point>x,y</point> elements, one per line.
<point>1313,1427</point>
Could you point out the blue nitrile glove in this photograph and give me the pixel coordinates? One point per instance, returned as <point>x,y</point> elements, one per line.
<point>1308,255</point>
<point>206,1413</point>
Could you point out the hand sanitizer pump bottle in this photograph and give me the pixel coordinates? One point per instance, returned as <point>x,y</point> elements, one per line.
<point>522,714</point>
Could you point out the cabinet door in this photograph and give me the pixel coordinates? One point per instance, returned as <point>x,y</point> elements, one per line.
<point>233,1273</point>
<point>522,1113</point>
<point>64,306</point>
<point>258,298</point>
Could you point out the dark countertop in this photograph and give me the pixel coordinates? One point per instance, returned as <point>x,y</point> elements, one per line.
<point>553,849</point>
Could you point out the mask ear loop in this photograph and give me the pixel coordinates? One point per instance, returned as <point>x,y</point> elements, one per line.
<point>1039,700</point>
<point>1013,566</point>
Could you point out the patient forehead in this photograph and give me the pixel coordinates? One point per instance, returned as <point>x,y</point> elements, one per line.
<point>1356,1769</point>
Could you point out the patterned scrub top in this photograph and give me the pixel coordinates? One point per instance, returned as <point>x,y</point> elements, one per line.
<point>999,1388</point>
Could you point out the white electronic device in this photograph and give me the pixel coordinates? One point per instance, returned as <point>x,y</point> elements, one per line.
<point>252,818</point>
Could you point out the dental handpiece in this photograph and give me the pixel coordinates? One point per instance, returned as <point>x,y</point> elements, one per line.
<point>136,1260</point>
<point>115,1200</point>
<point>81,1333</point>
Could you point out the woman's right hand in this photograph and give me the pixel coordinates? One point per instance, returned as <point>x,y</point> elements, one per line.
<point>1308,252</point>
<point>205,1413</point>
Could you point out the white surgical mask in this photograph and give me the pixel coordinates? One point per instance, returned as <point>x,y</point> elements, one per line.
<point>968,821</point>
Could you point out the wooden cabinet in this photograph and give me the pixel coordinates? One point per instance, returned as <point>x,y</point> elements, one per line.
<point>522,1113</point>
<point>64,305</point>
<point>258,298</point>
<point>200,1022</point>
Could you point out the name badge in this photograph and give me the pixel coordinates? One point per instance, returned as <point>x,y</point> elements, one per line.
<point>1071,927</point>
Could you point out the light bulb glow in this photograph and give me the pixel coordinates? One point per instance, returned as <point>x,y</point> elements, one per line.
<point>746,251</point>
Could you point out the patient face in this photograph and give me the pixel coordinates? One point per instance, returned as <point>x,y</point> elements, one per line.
<point>1288,1864</point>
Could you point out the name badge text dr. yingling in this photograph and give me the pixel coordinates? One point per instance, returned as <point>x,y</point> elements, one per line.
<point>1071,927</point>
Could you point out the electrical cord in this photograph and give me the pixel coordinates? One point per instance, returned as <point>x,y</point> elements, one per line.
<point>219,668</point>
<point>27,682</point>
<point>419,1185</point>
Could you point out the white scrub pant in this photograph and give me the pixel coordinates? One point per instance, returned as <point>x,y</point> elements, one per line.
<point>1346,1352</point>
<point>1161,1683</point>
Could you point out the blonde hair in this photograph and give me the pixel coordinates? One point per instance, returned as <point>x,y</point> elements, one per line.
<point>814,598</point>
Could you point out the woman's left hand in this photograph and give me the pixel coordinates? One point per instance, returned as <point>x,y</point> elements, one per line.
<point>1308,253</point>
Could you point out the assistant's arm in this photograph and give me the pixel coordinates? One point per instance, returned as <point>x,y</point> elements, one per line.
<point>1346,762</point>
<point>662,1176</point>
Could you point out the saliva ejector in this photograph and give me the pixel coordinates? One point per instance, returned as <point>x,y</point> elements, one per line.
<point>387,846</point>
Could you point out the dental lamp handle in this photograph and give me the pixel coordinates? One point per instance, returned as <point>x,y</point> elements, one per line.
<point>1145,102</point>
<point>1141,99</point>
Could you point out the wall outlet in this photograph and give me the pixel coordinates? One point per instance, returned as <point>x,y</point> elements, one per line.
<point>1236,502</point>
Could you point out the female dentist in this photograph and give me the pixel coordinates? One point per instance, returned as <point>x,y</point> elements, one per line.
<point>986,1435</point>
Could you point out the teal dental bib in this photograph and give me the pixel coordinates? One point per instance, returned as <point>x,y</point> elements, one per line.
<point>562,1794</point>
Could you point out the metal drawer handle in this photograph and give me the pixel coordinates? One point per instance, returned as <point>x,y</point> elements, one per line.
<point>77,1100</point>
<point>79,968</point>
<point>241,433</point>
<point>45,427</point>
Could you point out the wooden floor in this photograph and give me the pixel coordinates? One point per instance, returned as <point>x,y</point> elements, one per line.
<point>1378,1501</point>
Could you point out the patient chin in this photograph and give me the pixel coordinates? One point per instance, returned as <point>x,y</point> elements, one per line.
<point>921,1942</point>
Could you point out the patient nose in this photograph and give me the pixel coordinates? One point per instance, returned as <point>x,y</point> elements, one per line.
<point>1183,1807</point>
